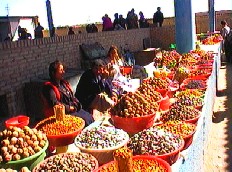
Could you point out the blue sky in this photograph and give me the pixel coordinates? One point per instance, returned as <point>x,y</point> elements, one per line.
<point>71,12</point>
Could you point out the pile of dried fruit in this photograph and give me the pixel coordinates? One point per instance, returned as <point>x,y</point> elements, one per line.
<point>180,112</point>
<point>140,103</point>
<point>101,138</point>
<point>139,165</point>
<point>154,141</point>
<point>189,99</point>
<point>182,129</point>
<point>68,162</point>
<point>70,124</point>
<point>190,93</point>
<point>195,84</point>
<point>17,143</point>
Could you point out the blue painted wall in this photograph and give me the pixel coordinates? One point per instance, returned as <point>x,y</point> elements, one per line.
<point>185,25</point>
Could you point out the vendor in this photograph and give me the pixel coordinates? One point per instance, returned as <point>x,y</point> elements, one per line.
<point>58,91</point>
<point>93,91</point>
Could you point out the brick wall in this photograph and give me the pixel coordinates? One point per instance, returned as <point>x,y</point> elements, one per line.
<point>23,61</point>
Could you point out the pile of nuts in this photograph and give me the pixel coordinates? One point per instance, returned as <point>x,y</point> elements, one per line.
<point>154,141</point>
<point>142,102</point>
<point>179,112</point>
<point>158,83</point>
<point>68,162</point>
<point>190,101</point>
<point>17,143</point>
<point>101,137</point>
<point>50,126</point>
<point>24,169</point>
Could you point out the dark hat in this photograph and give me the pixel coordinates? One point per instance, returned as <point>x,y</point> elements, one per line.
<point>98,62</point>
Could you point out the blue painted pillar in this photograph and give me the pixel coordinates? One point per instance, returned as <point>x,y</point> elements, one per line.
<point>185,26</point>
<point>211,16</point>
<point>49,15</point>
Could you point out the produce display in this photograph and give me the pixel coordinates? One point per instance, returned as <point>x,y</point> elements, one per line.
<point>52,126</point>
<point>158,83</point>
<point>140,103</point>
<point>154,141</point>
<point>195,84</point>
<point>213,39</point>
<point>188,59</point>
<point>181,128</point>
<point>190,93</point>
<point>101,138</point>
<point>179,112</point>
<point>189,100</point>
<point>181,74</point>
<point>68,162</point>
<point>17,143</point>
<point>204,72</point>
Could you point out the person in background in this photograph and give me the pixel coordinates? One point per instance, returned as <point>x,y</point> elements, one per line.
<point>122,22</point>
<point>58,91</point>
<point>158,18</point>
<point>142,21</point>
<point>70,31</point>
<point>116,20</point>
<point>92,90</point>
<point>225,29</point>
<point>39,31</point>
<point>107,23</point>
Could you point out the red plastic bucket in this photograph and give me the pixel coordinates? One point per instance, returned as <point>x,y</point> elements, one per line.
<point>165,103</point>
<point>133,125</point>
<point>18,121</point>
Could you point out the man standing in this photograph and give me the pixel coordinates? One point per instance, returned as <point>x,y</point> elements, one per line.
<point>39,31</point>
<point>158,18</point>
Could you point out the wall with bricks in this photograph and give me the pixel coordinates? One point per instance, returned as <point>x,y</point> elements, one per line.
<point>23,61</point>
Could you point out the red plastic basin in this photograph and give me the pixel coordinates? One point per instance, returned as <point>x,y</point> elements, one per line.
<point>18,121</point>
<point>172,157</point>
<point>62,139</point>
<point>133,125</point>
<point>160,161</point>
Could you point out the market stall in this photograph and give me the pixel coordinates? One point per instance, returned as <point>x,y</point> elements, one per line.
<point>167,116</point>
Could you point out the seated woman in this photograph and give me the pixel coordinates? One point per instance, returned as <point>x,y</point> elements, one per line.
<point>58,91</point>
<point>93,91</point>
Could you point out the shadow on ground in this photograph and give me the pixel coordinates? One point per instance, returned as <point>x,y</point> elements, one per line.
<point>226,115</point>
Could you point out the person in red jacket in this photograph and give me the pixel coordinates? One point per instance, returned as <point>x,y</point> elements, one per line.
<point>58,91</point>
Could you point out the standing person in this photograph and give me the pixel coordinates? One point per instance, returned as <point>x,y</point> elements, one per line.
<point>107,23</point>
<point>142,21</point>
<point>158,18</point>
<point>39,31</point>
<point>70,31</point>
<point>116,20</point>
<point>224,32</point>
<point>122,21</point>
<point>58,91</point>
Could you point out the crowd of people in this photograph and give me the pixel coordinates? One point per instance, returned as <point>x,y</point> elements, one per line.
<point>132,21</point>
